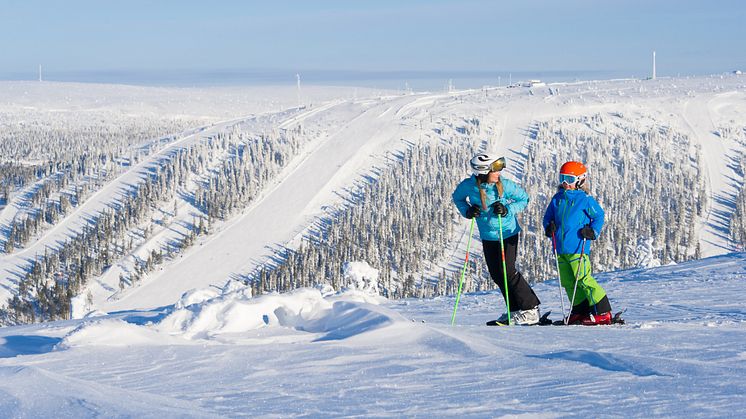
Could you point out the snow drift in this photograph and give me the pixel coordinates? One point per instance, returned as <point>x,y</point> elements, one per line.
<point>208,314</point>
<point>307,309</point>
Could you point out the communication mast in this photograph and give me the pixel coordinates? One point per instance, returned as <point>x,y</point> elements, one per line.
<point>297,76</point>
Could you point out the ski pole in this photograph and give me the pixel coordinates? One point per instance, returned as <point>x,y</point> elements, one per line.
<point>559,275</point>
<point>505,269</point>
<point>577,275</point>
<point>463,273</point>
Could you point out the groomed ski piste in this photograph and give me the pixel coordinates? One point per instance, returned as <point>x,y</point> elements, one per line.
<point>312,352</point>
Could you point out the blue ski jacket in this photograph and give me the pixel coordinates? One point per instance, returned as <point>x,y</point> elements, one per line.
<point>571,210</point>
<point>514,198</point>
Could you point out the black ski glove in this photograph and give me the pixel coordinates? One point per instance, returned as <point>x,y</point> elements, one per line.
<point>587,232</point>
<point>499,209</point>
<point>473,211</point>
<point>550,229</point>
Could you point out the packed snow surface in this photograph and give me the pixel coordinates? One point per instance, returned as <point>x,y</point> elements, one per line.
<point>312,352</point>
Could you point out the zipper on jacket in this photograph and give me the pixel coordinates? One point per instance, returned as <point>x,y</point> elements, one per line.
<point>563,213</point>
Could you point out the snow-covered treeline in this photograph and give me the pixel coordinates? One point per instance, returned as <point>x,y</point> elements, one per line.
<point>250,163</point>
<point>400,222</point>
<point>53,279</point>
<point>227,172</point>
<point>402,237</point>
<point>46,136</point>
<point>51,162</point>
<point>646,176</point>
<point>737,220</point>
<point>219,174</point>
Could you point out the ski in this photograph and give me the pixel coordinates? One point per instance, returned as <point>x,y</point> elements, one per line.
<point>546,321</point>
<point>543,321</point>
<point>616,319</point>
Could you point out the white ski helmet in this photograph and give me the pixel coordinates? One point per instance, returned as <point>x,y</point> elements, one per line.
<point>487,162</point>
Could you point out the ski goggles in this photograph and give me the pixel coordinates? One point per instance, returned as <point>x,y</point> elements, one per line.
<point>497,165</point>
<point>568,179</point>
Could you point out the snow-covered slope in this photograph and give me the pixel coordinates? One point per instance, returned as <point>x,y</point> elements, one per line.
<point>220,352</point>
<point>351,132</point>
<point>308,183</point>
<point>380,123</point>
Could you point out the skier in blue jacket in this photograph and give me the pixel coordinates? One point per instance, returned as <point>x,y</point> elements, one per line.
<point>573,219</point>
<point>486,196</point>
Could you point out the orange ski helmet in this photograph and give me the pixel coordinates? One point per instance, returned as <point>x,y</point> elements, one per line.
<point>573,173</point>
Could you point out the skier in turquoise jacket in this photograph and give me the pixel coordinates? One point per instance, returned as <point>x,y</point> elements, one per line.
<point>486,196</point>
<point>573,219</point>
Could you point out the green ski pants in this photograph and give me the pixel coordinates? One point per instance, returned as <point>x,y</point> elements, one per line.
<point>588,289</point>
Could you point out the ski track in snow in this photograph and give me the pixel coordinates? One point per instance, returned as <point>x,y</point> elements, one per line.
<point>715,226</point>
<point>274,218</point>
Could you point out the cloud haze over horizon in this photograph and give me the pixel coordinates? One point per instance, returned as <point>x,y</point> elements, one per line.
<point>81,37</point>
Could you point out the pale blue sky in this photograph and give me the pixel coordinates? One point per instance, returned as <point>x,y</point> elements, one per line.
<point>691,37</point>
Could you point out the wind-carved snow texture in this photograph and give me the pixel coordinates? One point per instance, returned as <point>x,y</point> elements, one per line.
<point>218,315</point>
<point>604,361</point>
<point>223,352</point>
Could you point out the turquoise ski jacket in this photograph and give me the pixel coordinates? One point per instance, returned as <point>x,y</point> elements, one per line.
<point>514,198</point>
<point>571,210</point>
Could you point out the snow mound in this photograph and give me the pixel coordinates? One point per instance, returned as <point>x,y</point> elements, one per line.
<point>81,306</point>
<point>310,310</point>
<point>95,313</point>
<point>196,296</point>
<point>113,332</point>
<point>361,276</point>
<point>221,312</point>
<point>347,319</point>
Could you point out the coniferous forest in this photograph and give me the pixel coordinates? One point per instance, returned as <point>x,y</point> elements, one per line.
<point>404,221</point>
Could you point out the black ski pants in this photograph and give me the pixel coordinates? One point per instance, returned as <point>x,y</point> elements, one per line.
<point>521,295</point>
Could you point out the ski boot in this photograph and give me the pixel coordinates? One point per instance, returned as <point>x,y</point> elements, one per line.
<point>596,319</point>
